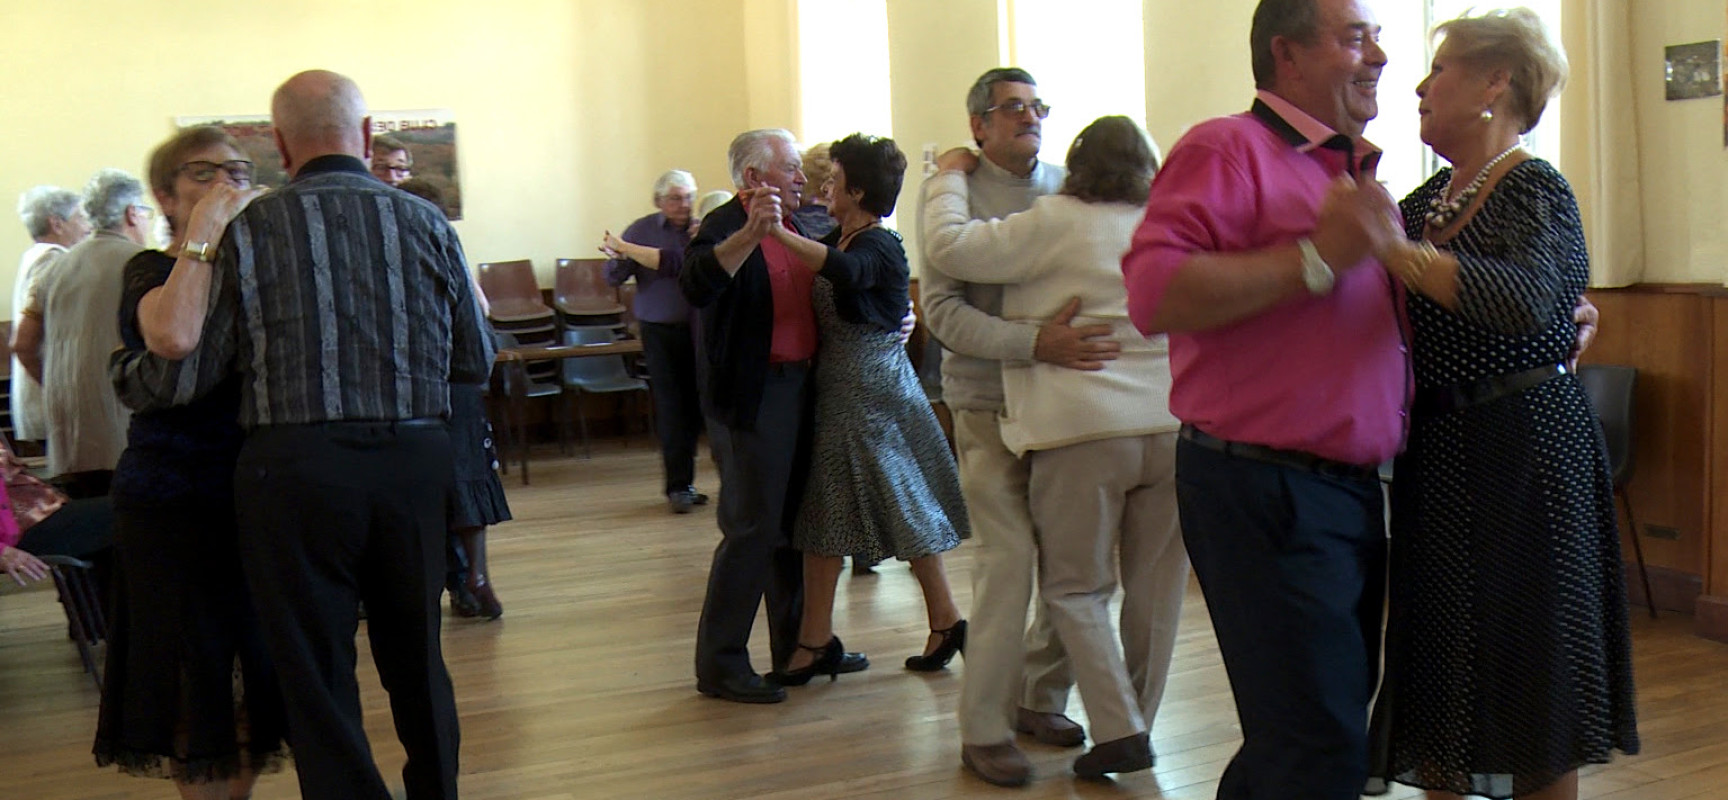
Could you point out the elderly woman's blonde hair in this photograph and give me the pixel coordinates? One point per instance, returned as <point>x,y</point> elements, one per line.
<point>818,168</point>
<point>1515,40</point>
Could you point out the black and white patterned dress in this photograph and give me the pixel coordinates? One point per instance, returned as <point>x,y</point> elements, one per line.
<point>1508,659</point>
<point>883,483</point>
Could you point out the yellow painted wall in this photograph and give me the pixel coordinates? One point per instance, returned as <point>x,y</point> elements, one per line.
<point>566,109</point>
<point>935,52</point>
<point>1197,64</point>
<point>1683,167</point>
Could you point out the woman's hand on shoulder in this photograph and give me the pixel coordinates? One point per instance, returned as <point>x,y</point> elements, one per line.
<point>219,207</point>
<point>959,159</point>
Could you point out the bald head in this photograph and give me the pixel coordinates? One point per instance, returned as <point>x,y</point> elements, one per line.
<point>318,113</point>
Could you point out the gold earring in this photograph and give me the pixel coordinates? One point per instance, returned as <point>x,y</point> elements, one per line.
<point>1487,115</point>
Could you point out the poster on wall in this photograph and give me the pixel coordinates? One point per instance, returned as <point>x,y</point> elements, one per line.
<point>428,134</point>
<point>1694,70</point>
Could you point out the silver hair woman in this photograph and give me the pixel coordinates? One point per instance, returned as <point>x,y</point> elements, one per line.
<point>1508,656</point>
<point>42,206</point>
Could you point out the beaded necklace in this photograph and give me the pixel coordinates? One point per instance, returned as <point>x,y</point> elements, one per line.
<point>1442,212</point>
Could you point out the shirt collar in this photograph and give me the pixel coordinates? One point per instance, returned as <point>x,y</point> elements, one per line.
<point>335,162</point>
<point>1307,134</point>
<point>998,173</point>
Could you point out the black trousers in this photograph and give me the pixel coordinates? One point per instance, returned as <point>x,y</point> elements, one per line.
<point>1293,565</point>
<point>761,482</point>
<point>671,353</point>
<point>331,515</point>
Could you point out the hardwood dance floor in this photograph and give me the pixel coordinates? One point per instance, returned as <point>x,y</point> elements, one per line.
<point>584,689</point>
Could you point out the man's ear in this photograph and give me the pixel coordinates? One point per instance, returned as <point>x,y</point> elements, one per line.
<point>978,129</point>
<point>288,164</point>
<point>1283,52</point>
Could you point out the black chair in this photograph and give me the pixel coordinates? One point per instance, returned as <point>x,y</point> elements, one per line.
<point>516,385</point>
<point>76,582</point>
<point>1610,390</point>
<point>599,375</point>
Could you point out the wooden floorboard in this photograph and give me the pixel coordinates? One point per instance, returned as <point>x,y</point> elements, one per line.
<point>584,689</point>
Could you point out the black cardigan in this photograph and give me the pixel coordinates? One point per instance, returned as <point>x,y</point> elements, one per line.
<point>872,282</point>
<point>737,316</point>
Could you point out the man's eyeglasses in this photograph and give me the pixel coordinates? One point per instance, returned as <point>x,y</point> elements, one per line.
<point>239,171</point>
<point>1018,107</point>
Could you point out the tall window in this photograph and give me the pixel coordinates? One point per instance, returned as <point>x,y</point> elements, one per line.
<point>1089,57</point>
<point>1408,162</point>
<point>839,38</point>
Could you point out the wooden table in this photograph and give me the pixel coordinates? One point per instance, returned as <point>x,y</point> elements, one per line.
<point>622,347</point>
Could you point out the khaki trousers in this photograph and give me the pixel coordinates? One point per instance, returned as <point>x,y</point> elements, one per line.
<point>1007,664</point>
<point>1093,502</point>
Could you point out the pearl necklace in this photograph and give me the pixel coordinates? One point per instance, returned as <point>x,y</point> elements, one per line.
<point>1442,212</point>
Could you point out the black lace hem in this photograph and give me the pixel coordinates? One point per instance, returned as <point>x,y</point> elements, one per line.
<point>197,770</point>
<point>1493,787</point>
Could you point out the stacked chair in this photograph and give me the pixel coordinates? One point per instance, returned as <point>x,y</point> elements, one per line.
<point>590,311</point>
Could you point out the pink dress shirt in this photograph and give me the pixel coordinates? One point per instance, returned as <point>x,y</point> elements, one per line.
<point>794,337</point>
<point>1326,375</point>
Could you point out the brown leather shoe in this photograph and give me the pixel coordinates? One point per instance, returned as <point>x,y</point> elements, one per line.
<point>1049,728</point>
<point>1000,764</point>
<point>1127,754</point>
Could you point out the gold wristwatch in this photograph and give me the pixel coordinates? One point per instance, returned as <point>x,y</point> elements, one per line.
<point>199,251</point>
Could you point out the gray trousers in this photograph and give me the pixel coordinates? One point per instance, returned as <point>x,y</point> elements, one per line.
<point>1097,504</point>
<point>1007,665</point>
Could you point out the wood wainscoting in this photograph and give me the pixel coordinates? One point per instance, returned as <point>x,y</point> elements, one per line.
<point>1676,336</point>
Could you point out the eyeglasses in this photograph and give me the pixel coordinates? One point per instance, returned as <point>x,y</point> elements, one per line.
<point>144,211</point>
<point>239,171</point>
<point>1018,107</point>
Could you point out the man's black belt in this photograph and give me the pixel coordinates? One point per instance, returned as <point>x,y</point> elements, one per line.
<point>1446,399</point>
<point>1293,459</point>
<point>785,367</point>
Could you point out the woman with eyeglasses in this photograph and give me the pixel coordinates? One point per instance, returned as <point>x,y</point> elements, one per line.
<point>172,706</point>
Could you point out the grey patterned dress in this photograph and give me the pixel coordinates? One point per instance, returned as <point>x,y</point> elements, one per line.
<point>1508,655</point>
<point>883,483</point>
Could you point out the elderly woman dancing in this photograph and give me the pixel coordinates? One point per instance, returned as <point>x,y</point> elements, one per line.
<point>1508,659</point>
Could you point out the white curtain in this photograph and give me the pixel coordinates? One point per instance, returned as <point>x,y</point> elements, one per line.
<point>1599,150</point>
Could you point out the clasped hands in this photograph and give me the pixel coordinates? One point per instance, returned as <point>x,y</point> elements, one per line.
<point>1358,219</point>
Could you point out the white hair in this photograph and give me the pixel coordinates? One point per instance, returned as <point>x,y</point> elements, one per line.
<point>108,196</point>
<point>711,201</point>
<point>673,178</point>
<point>41,205</point>
<point>755,149</point>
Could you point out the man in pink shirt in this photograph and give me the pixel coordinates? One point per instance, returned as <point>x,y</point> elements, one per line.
<point>1291,377</point>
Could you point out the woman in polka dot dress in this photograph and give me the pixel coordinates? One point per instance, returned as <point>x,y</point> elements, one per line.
<point>1508,659</point>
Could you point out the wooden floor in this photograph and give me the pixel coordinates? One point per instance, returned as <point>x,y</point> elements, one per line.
<point>584,689</point>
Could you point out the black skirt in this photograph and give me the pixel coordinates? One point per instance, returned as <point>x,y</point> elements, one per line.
<point>478,497</point>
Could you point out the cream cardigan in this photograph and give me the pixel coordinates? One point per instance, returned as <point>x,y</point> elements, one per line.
<point>1059,249</point>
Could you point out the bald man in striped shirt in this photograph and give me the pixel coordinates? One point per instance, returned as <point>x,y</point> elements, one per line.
<point>344,305</point>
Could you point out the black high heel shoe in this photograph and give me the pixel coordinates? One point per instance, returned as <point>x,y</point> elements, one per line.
<point>831,660</point>
<point>953,642</point>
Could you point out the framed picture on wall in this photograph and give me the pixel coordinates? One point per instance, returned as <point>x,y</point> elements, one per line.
<point>428,134</point>
<point>1694,70</point>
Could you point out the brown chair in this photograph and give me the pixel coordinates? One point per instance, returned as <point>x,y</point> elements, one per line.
<point>579,289</point>
<point>513,292</point>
